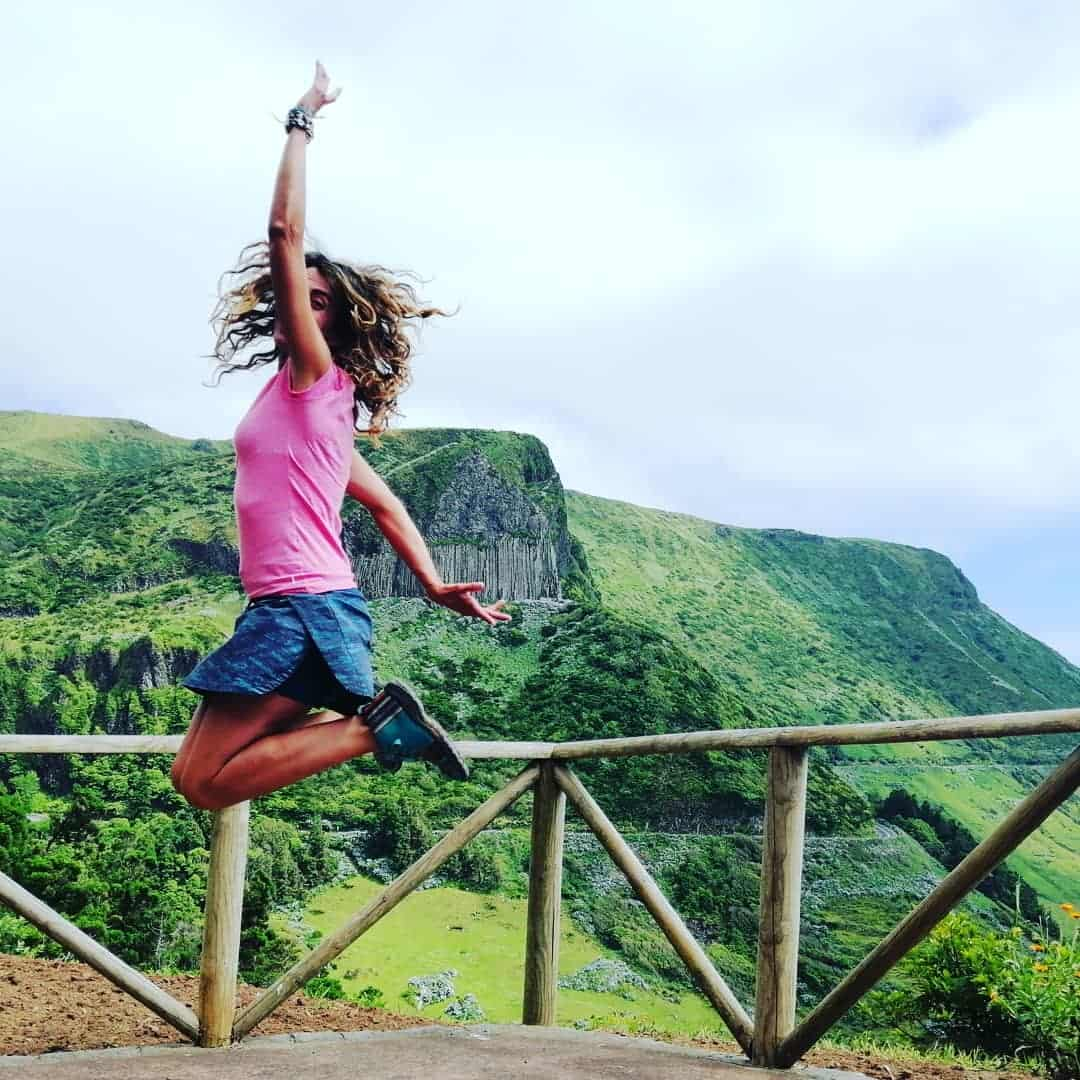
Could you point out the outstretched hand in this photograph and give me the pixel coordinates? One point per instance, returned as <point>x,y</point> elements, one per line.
<point>459,597</point>
<point>318,95</point>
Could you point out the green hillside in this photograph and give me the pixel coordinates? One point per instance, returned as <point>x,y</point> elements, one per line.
<point>482,935</point>
<point>118,575</point>
<point>51,463</point>
<point>813,629</point>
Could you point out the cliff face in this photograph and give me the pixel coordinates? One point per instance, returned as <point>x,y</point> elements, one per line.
<point>481,528</point>
<point>144,664</point>
<point>489,504</point>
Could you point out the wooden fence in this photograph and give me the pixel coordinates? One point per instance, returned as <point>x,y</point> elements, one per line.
<point>770,1036</point>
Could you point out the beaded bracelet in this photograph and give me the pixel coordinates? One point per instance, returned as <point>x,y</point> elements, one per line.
<point>299,117</point>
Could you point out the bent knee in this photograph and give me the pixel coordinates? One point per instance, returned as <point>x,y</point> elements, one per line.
<point>201,792</point>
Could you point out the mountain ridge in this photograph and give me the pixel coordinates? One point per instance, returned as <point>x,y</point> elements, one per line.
<point>797,627</point>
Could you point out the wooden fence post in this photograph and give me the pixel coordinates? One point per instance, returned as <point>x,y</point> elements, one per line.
<point>221,926</point>
<point>1018,825</point>
<point>545,894</point>
<point>781,886</point>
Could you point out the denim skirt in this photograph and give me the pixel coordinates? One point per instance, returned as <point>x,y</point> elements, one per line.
<point>313,647</point>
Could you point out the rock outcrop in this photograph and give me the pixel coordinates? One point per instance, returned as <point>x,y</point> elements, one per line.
<point>481,528</point>
<point>143,664</point>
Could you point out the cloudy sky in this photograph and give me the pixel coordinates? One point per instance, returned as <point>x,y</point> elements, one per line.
<point>808,265</point>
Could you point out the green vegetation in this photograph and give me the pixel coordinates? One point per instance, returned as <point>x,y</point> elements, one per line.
<point>126,861</point>
<point>1000,992</point>
<point>949,842</point>
<point>119,573</point>
<point>977,796</point>
<point>483,939</point>
<point>812,629</point>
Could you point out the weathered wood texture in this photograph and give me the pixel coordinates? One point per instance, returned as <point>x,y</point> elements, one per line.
<point>1052,721</point>
<point>667,918</point>
<point>90,744</point>
<point>98,957</point>
<point>778,940</point>
<point>932,729</point>
<point>221,926</point>
<point>386,901</point>
<point>1024,819</point>
<point>545,895</point>
<point>781,888</point>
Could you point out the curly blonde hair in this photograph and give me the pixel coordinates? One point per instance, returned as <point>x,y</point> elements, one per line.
<point>367,334</point>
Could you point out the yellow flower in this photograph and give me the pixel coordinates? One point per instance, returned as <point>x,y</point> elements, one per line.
<point>995,996</point>
<point>1016,931</point>
<point>1066,907</point>
<point>1042,967</point>
<point>1037,948</point>
<point>1074,914</point>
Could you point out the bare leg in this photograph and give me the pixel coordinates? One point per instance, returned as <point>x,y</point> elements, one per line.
<point>241,746</point>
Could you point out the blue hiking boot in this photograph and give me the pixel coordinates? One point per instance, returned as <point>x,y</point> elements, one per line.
<point>404,732</point>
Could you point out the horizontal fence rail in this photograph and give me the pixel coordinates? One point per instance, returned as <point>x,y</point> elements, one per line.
<point>769,1036</point>
<point>990,726</point>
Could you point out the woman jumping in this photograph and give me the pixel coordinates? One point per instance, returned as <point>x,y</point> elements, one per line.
<point>304,640</point>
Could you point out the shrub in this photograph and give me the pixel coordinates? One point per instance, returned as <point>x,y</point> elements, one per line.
<point>325,986</point>
<point>998,992</point>
<point>371,996</point>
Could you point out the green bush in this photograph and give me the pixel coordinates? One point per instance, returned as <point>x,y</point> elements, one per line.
<point>371,997</point>
<point>325,986</point>
<point>998,992</point>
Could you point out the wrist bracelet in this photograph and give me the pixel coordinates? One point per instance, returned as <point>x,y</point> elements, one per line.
<point>299,117</point>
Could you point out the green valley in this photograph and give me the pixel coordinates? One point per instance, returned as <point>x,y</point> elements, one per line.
<point>120,573</point>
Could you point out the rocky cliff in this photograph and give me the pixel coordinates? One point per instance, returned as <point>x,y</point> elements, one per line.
<point>480,528</point>
<point>489,504</point>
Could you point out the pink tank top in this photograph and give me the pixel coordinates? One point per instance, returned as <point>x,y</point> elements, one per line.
<point>293,454</point>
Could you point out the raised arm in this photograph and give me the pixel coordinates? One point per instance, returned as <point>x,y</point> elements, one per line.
<point>309,354</point>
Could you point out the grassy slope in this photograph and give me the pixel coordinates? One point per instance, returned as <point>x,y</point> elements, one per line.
<point>977,796</point>
<point>86,443</point>
<point>488,951</point>
<point>820,630</point>
<point>823,630</point>
<point>854,889</point>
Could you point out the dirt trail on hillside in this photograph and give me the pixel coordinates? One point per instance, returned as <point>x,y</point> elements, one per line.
<point>50,1005</point>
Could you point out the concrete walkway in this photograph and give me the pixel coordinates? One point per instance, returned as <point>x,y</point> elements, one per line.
<point>474,1052</point>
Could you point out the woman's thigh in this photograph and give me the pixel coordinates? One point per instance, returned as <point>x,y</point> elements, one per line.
<point>224,724</point>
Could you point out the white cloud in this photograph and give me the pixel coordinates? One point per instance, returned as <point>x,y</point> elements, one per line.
<point>804,265</point>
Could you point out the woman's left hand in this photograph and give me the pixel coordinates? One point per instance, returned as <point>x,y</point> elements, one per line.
<point>458,597</point>
<point>319,94</point>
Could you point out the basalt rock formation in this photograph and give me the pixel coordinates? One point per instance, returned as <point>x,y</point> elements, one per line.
<point>485,514</point>
<point>481,528</point>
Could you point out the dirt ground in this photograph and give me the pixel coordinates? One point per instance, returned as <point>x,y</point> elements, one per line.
<point>49,1005</point>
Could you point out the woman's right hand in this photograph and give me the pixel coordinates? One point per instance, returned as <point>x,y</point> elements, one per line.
<point>317,96</point>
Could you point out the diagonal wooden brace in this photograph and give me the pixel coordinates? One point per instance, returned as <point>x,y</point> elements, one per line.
<point>98,957</point>
<point>667,918</point>
<point>388,899</point>
<point>1024,819</point>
